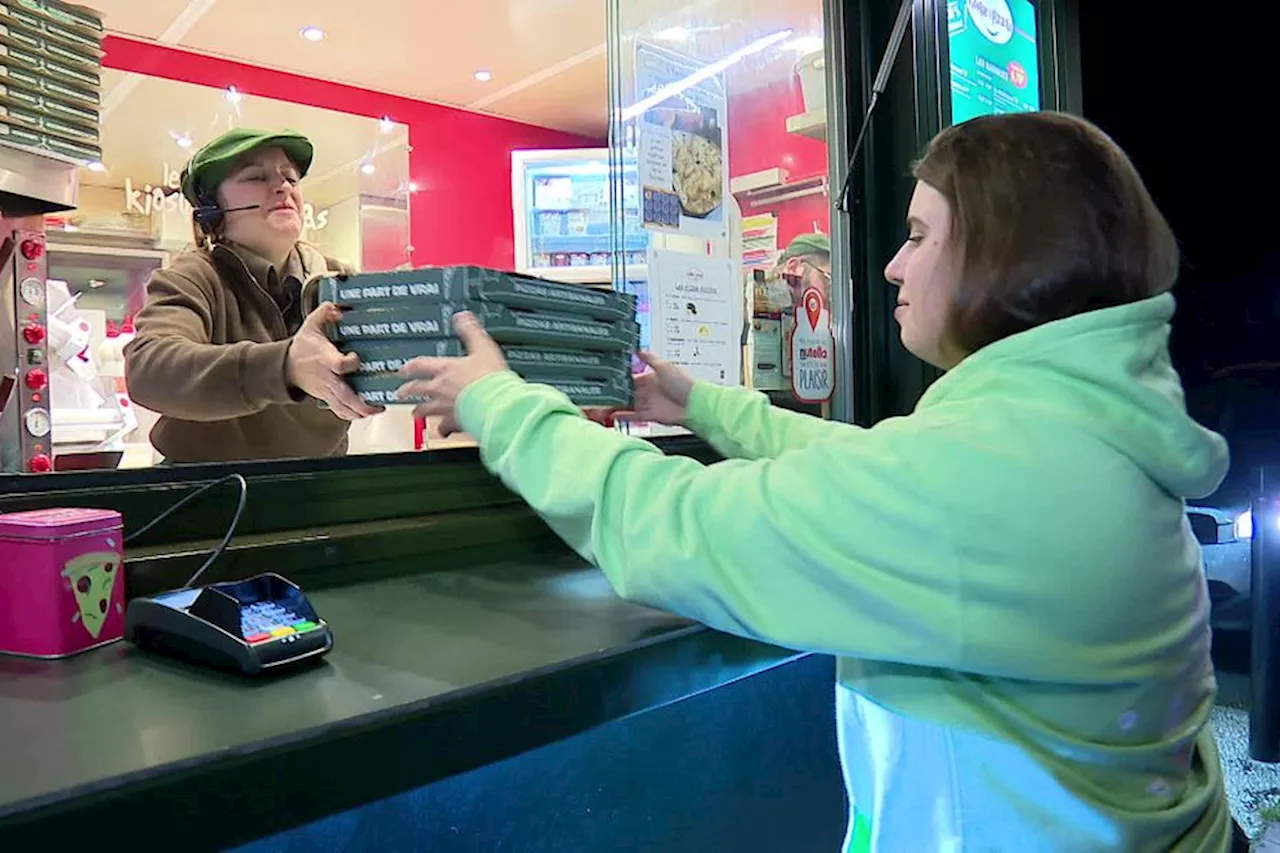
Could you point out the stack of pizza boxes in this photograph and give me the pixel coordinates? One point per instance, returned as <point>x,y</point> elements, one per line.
<point>51,78</point>
<point>576,339</point>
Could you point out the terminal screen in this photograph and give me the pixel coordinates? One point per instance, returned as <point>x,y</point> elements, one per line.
<point>995,65</point>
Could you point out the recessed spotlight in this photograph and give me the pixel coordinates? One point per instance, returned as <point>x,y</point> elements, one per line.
<point>368,168</point>
<point>232,95</point>
<point>483,76</point>
<point>413,186</point>
<point>675,34</point>
<point>312,33</point>
<point>96,166</point>
<point>183,140</point>
<point>386,125</point>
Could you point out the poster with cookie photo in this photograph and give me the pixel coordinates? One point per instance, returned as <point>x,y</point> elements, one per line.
<point>683,154</point>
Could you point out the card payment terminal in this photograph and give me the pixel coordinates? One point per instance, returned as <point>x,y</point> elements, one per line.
<point>254,626</point>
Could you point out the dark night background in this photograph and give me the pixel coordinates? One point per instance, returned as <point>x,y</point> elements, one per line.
<point>1179,91</point>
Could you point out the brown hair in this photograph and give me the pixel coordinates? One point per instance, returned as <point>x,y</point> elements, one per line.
<point>1049,219</point>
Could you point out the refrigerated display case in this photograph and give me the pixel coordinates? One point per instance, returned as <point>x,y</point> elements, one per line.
<point>562,217</point>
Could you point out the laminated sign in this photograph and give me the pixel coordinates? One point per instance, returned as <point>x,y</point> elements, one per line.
<point>813,360</point>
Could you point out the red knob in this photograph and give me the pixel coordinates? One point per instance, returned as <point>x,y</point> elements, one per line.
<point>37,379</point>
<point>32,249</point>
<point>33,333</point>
<point>40,464</point>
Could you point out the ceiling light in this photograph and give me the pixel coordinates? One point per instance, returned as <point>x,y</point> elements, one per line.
<point>232,95</point>
<point>312,33</point>
<point>705,72</point>
<point>413,186</point>
<point>675,34</point>
<point>483,76</point>
<point>96,166</point>
<point>386,125</point>
<point>805,44</point>
<point>183,140</point>
<point>368,168</point>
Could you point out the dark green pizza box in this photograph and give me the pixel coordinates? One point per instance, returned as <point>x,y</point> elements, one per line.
<point>17,133</point>
<point>33,99</point>
<point>47,37</point>
<point>542,361</point>
<point>505,325</point>
<point>69,74</point>
<point>371,321</point>
<point>19,38</point>
<point>39,119</point>
<point>34,80</point>
<point>381,389</point>
<point>389,356</point>
<point>591,393</point>
<point>69,16</point>
<point>471,283</point>
<point>82,34</point>
<point>81,150</point>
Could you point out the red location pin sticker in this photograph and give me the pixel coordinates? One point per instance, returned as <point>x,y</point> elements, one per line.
<point>813,307</point>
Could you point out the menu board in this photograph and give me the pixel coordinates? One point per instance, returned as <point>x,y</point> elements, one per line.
<point>995,64</point>
<point>696,314</point>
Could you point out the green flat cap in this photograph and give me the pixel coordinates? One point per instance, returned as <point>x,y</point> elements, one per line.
<point>212,163</point>
<point>807,244</point>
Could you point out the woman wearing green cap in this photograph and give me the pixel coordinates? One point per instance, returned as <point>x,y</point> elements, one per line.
<point>224,352</point>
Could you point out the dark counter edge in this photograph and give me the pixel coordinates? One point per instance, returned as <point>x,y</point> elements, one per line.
<point>319,522</point>
<point>233,797</point>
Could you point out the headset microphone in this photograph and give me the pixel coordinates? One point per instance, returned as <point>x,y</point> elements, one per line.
<point>208,210</point>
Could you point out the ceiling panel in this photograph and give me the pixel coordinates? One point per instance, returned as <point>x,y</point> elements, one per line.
<point>546,56</point>
<point>137,146</point>
<point>143,18</point>
<point>570,101</point>
<point>427,50</point>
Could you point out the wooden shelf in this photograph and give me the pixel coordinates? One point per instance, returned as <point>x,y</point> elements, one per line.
<point>812,124</point>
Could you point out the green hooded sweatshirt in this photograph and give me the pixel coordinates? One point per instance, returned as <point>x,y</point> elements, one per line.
<point>1006,576</point>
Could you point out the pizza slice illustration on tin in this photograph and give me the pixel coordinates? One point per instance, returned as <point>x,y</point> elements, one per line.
<point>92,578</point>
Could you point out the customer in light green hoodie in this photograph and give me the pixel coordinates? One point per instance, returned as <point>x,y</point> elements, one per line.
<point>1006,575</point>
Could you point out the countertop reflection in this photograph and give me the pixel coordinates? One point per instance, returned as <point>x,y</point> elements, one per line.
<point>71,727</point>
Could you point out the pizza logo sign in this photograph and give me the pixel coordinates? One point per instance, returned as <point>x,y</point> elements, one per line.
<point>993,18</point>
<point>92,578</point>
<point>1018,74</point>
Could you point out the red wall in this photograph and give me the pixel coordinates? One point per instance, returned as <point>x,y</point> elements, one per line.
<point>461,161</point>
<point>759,139</point>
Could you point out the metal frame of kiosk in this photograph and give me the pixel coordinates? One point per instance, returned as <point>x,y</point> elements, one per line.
<point>31,185</point>
<point>887,380</point>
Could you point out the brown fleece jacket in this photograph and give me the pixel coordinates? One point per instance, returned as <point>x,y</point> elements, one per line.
<point>209,358</point>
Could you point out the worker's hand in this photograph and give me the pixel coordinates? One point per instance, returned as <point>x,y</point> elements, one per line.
<point>315,366</point>
<point>662,393</point>
<point>442,380</point>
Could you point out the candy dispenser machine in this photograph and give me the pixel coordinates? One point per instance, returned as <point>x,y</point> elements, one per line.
<point>31,185</point>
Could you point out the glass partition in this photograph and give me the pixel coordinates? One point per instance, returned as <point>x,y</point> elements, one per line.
<point>720,157</point>
<point>674,152</point>
<point>132,219</point>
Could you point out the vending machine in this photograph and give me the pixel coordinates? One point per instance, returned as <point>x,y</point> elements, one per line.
<point>31,185</point>
<point>563,218</point>
<point>563,223</point>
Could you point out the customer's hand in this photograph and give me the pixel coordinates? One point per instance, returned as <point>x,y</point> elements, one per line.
<point>315,366</point>
<point>442,380</point>
<point>662,392</point>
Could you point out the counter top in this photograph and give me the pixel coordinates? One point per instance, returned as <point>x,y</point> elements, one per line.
<point>430,675</point>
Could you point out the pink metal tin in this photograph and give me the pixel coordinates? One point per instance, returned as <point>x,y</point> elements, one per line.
<point>61,584</point>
